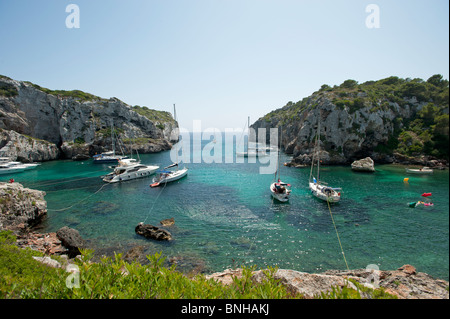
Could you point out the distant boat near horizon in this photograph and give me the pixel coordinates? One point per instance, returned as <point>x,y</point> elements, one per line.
<point>257,149</point>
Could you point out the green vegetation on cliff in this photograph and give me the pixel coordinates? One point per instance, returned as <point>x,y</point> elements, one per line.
<point>76,94</point>
<point>425,133</point>
<point>153,115</point>
<point>7,89</point>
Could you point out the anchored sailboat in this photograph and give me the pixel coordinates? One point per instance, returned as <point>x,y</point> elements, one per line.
<point>109,157</point>
<point>166,175</point>
<point>280,190</point>
<point>319,188</point>
<point>254,150</point>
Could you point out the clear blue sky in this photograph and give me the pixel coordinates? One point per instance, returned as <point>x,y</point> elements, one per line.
<point>219,60</point>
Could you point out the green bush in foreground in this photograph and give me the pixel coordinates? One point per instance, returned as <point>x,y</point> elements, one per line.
<point>23,277</point>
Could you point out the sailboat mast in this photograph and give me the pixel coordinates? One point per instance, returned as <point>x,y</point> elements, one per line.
<point>174,112</point>
<point>248,133</point>
<point>112,138</point>
<point>175,117</point>
<point>279,149</point>
<point>318,150</point>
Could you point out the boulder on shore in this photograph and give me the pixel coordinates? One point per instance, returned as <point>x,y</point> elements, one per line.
<point>152,232</point>
<point>71,239</point>
<point>364,165</point>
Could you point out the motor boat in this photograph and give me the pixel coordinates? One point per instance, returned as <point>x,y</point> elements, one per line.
<point>126,172</point>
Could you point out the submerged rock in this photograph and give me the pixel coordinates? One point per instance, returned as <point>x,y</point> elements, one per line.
<point>364,165</point>
<point>136,253</point>
<point>152,232</point>
<point>168,222</point>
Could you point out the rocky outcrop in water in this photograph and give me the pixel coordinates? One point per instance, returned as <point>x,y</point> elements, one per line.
<point>363,165</point>
<point>74,122</point>
<point>152,232</point>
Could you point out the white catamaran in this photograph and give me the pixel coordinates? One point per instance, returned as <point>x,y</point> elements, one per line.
<point>318,188</point>
<point>166,176</point>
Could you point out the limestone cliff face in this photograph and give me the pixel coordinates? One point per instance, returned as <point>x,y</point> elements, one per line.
<point>354,123</point>
<point>74,120</point>
<point>345,136</point>
<point>20,207</point>
<point>25,148</point>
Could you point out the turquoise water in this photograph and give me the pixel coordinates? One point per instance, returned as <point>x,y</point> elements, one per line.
<point>225,216</point>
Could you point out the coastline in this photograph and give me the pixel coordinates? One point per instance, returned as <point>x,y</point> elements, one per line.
<point>404,282</point>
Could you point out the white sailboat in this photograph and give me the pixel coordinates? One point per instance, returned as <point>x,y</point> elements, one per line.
<point>252,151</point>
<point>318,188</point>
<point>166,176</point>
<point>280,190</point>
<point>109,157</point>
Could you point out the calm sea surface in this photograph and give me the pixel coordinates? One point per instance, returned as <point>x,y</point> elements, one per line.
<point>225,216</point>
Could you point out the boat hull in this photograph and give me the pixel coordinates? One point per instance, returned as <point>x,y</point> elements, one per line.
<point>11,170</point>
<point>176,175</point>
<point>126,176</point>
<point>419,171</point>
<point>282,197</point>
<point>324,193</point>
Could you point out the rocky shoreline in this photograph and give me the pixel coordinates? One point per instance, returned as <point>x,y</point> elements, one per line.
<point>21,209</point>
<point>38,124</point>
<point>372,119</point>
<point>403,283</point>
<point>399,159</point>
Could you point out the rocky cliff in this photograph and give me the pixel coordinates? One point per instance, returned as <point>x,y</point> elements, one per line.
<point>20,207</point>
<point>75,122</point>
<point>387,119</point>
